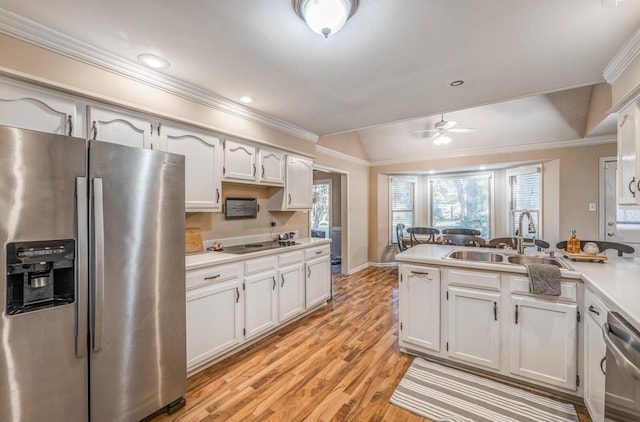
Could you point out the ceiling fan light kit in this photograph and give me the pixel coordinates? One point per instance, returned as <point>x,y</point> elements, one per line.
<point>325,17</point>
<point>441,129</point>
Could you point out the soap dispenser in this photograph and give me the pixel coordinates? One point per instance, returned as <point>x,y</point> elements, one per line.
<point>573,243</point>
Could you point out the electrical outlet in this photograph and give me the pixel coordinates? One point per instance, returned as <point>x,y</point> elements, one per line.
<point>272,222</point>
<point>592,206</point>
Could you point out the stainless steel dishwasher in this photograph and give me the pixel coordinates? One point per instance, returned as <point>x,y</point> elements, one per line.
<point>622,385</point>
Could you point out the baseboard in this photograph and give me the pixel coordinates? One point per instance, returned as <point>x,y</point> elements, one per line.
<point>357,269</point>
<point>383,264</point>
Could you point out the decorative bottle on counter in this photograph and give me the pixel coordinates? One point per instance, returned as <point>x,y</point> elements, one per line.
<point>573,243</point>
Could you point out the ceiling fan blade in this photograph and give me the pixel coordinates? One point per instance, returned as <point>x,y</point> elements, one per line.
<point>425,131</point>
<point>449,124</point>
<point>463,130</point>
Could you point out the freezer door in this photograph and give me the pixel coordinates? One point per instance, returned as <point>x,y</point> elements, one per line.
<point>43,375</point>
<point>138,352</point>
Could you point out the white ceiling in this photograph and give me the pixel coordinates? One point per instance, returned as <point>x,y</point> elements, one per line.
<point>392,62</point>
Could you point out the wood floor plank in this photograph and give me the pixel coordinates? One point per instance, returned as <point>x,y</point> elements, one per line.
<point>340,363</point>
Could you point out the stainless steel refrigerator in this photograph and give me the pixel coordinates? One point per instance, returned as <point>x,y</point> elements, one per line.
<point>93,295</point>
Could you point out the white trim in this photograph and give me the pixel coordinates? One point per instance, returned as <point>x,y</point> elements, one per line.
<point>602,200</point>
<point>470,152</point>
<point>627,53</point>
<point>26,30</point>
<point>358,269</point>
<point>341,155</point>
<point>390,264</point>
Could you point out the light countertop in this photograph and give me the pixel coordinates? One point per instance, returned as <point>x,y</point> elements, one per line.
<point>616,281</point>
<point>205,259</point>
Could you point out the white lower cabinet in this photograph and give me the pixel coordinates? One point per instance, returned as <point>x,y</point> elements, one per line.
<point>474,327</point>
<point>544,342</point>
<point>261,303</point>
<point>420,308</point>
<point>214,320</point>
<point>595,351</point>
<point>291,292</point>
<point>318,276</point>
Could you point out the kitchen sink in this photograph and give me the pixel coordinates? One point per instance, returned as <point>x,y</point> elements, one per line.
<point>477,256</point>
<point>525,259</point>
<point>503,258</point>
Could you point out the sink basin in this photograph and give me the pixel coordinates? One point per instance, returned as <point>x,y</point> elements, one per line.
<point>524,259</point>
<point>476,256</point>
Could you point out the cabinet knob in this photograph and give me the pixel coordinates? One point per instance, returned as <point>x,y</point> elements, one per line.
<point>611,234</point>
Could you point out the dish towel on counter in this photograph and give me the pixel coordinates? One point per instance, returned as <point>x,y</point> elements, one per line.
<point>544,279</point>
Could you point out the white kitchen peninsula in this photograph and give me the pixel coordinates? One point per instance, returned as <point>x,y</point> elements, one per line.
<point>480,314</point>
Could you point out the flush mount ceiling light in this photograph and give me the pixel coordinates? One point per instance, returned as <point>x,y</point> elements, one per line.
<point>246,99</point>
<point>441,139</point>
<point>153,61</point>
<point>325,17</point>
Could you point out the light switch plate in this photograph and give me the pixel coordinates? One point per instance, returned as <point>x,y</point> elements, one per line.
<point>592,206</point>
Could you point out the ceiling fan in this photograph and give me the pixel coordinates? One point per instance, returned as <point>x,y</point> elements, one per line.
<point>441,129</point>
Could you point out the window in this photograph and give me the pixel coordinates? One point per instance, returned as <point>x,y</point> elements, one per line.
<point>463,200</point>
<point>403,199</point>
<point>525,193</point>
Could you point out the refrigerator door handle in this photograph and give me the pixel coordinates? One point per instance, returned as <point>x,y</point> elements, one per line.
<point>98,262</point>
<point>82,279</point>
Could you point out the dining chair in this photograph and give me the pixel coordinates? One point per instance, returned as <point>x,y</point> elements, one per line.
<point>512,242</point>
<point>461,230</point>
<point>399,235</point>
<point>602,246</point>
<point>425,231</point>
<point>461,240</point>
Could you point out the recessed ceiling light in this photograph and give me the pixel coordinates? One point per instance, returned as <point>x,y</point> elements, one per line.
<point>153,62</point>
<point>457,83</point>
<point>246,99</point>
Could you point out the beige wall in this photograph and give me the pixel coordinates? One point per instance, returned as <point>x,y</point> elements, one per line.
<point>576,170</point>
<point>599,106</point>
<point>346,143</point>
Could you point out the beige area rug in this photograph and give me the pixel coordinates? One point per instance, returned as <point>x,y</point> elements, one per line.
<point>444,394</point>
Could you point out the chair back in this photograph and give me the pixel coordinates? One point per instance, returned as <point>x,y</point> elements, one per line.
<point>425,231</point>
<point>512,242</point>
<point>602,246</point>
<point>461,230</point>
<point>461,240</point>
<point>399,234</point>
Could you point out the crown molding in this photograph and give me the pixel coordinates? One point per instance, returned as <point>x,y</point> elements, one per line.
<point>580,142</point>
<point>26,30</point>
<point>623,58</point>
<point>341,155</point>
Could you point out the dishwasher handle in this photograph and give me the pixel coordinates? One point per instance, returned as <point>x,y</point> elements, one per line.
<point>623,347</point>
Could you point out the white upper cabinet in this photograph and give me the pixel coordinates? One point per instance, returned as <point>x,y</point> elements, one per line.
<point>271,166</point>
<point>298,189</point>
<point>122,128</point>
<point>628,148</point>
<point>239,162</point>
<point>38,109</point>
<point>203,165</point>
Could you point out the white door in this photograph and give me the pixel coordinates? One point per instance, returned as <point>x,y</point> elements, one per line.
<point>619,224</point>
<point>318,281</point>
<point>291,292</point>
<point>214,320</point>
<point>544,341</point>
<point>299,182</point>
<point>261,312</point>
<point>474,327</point>
<point>239,161</point>
<point>420,307</point>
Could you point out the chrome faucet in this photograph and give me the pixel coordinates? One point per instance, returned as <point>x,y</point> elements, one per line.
<point>530,228</point>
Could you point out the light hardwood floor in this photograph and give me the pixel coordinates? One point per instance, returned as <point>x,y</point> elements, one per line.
<point>341,363</point>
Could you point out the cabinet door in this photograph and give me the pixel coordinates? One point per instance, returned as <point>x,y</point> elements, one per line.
<point>203,169</point>
<point>595,351</point>
<point>214,321</point>
<point>291,292</point>
<point>35,109</point>
<point>299,183</point>
<point>474,327</point>
<point>420,307</point>
<point>239,161</point>
<point>271,167</point>
<point>628,145</point>
<point>318,281</point>
<point>261,311</point>
<point>544,341</point>
<point>120,128</point>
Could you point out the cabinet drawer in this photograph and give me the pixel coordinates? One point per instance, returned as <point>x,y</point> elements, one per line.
<point>214,274</point>
<point>316,252</point>
<point>258,265</point>
<point>474,279</point>
<point>595,307</point>
<point>568,289</point>
<point>290,258</point>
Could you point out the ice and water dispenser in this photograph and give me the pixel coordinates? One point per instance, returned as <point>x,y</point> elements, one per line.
<point>40,275</point>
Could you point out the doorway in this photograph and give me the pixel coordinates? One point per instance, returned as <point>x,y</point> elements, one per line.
<point>619,224</point>
<point>328,217</point>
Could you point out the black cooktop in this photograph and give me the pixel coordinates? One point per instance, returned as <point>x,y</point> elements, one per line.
<point>258,246</point>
